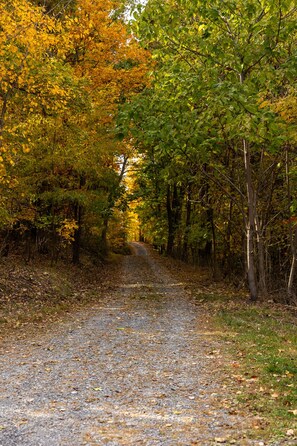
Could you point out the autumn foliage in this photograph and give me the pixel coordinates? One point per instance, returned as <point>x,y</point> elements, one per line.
<point>63,73</point>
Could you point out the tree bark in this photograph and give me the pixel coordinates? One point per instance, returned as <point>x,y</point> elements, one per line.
<point>173,200</point>
<point>261,256</point>
<point>170,237</point>
<point>250,221</point>
<point>292,236</point>
<point>110,204</point>
<point>185,252</point>
<point>290,288</point>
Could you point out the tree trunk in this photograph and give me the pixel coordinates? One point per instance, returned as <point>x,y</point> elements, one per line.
<point>173,201</point>
<point>262,267</point>
<point>227,261</point>
<point>170,238</point>
<point>110,205</point>
<point>78,211</point>
<point>214,246</point>
<point>292,235</point>
<point>261,257</point>
<point>290,288</point>
<point>185,252</point>
<point>250,221</point>
<point>104,246</point>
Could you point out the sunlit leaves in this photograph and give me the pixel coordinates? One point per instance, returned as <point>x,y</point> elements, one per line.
<point>63,73</point>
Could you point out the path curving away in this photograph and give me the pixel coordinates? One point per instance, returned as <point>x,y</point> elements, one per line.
<point>136,369</point>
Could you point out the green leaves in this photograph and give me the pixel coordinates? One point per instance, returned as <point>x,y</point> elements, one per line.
<point>221,67</point>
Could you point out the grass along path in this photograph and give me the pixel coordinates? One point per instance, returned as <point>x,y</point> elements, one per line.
<point>262,339</point>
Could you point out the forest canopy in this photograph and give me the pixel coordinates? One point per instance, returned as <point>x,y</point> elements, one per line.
<point>186,117</point>
<point>216,133</point>
<point>65,68</point>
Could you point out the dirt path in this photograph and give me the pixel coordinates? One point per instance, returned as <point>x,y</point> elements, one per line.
<point>138,368</point>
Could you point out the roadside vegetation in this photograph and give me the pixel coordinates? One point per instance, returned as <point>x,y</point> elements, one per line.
<point>262,340</point>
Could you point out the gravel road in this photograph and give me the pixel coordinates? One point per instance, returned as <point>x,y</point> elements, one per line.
<point>138,368</point>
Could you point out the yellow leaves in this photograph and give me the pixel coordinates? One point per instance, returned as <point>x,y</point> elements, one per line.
<point>77,70</point>
<point>25,36</point>
<point>57,90</point>
<point>111,59</point>
<point>24,27</point>
<point>26,149</point>
<point>67,230</point>
<point>287,108</point>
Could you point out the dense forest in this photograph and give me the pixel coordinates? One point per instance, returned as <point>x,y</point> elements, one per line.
<point>180,111</point>
<point>65,68</point>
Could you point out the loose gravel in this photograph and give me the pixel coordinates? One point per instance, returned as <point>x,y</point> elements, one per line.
<point>141,367</point>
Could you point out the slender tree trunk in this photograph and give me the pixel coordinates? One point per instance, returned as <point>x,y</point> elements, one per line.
<point>262,267</point>
<point>292,236</point>
<point>206,254</point>
<point>250,221</point>
<point>170,238</point>
<point>104,246</point>
<point>214,246</point>
<point>227,260</point>
<point>173,204</point>
<point>185,252</point>
<point>250,230</point>
<point>261,257</point>
<point>290,287</point>
<point>110,204</point>
<point>53,238</point>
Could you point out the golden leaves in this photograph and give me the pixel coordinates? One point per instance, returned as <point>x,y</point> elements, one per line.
<point>111,58</point>
<point>67,229</point>
<point>61,81</point>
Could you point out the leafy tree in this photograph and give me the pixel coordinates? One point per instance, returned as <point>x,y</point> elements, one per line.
<point>223,60</point>
<point>62,79</point>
